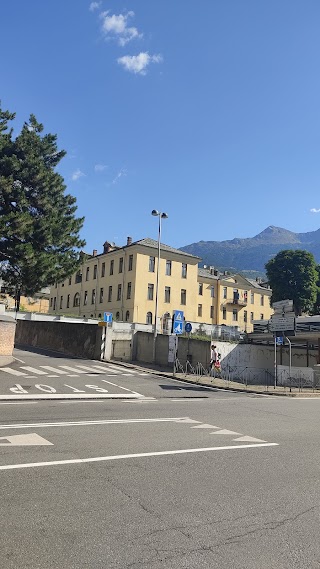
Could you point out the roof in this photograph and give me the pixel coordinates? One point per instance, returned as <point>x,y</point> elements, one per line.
<point>206,274</point>
<point>255,284</point>
<point>152,243</point>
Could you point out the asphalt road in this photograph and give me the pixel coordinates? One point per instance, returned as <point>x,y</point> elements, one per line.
<point>177,477</point>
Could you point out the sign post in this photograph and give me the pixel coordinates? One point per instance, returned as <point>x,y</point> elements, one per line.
<point>172,353</point>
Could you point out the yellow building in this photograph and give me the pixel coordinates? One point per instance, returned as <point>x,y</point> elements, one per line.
<point>122,280</point>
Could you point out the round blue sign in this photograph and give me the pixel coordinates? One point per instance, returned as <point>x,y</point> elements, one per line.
<point>188,327</point>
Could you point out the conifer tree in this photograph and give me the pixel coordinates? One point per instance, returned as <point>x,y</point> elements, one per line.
<point>39,233</point>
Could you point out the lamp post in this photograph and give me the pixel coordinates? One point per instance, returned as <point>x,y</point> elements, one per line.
<point>160,216</point>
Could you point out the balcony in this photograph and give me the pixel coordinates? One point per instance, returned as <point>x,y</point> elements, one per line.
<point>235,301</point>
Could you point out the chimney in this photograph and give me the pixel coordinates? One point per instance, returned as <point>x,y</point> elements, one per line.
<point>129,240</point>
<point>94,253</point>
<point>211,270</point>
<point>107,247</point>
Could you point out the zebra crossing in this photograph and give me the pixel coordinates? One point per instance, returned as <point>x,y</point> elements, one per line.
<point>76,370</point>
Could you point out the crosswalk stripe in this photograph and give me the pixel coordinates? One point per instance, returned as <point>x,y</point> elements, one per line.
<point>87,368</point>
<point>54,369</point>
<point>13,371</point>
<point>73,369</point>
<point>104,369</point>
<point>119,368</point>
<point>34,370</point>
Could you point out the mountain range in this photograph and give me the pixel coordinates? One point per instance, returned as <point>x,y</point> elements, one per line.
<point>250,254</point>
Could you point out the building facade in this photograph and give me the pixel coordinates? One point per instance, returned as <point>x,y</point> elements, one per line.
<point>122,280</point>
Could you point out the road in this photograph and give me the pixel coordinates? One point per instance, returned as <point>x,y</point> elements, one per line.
<point>177,476</point>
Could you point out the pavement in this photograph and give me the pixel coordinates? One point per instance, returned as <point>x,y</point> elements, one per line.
<point>181,476</point>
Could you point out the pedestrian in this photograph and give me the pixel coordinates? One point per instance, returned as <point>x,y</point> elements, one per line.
<point>213,356</point>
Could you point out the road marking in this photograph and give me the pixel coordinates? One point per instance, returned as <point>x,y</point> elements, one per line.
<point>53,376</point>
<point>18,402</point>
<point>98,422</point>
<point>21,361</point>
<point>204,426</point>
<point>249,440</point>
<point>31,439</point>
<point>87,368</point>
<point>34,370</point>
<point>137,455</point>
<point>74,370</point>
<point>120,369</point>
<point>48,396</point>
<point>56,370</point>
<point>225,432</point>
<point>71,375</point>
<point>188,399</point>
<point>13,371</point>
<point>120,387</point>
<point>127,374</point>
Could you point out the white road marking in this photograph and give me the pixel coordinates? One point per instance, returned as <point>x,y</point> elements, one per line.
<point>249,440</point>
<point>71,375</point>
<point>56,370</point>
<point>87,368</point>
<point>73,369</point>
<point>146,400</point>
<point>225,432</point>
<point>120,369</point>
<point>188,399</point>
<point>70,396</point>
<point>137,455</point>
<point>21,361</point>
<point>204,426</point>
<point>18,402</point>
<point>120,387</point>
<point>53,376</point>
<point>30,377</point>
<point>126,374</point>
<point>13,371</point>
<point>31,439</point>
<point>88,423</point>
<point>34,370</point>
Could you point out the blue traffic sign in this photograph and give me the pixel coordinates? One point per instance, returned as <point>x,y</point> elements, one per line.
<point>178,328</point>
<point>178,320</point>
<point>178,315</point>
<point>279,340</point>
<point>107,317</point>
<point>188,327</point>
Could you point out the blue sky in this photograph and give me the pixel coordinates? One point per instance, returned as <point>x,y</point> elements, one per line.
<point>207,110</point>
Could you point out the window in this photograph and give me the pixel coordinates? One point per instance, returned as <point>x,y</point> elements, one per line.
<point>119,292</point>
<point>69,280</point>
<point>111,267</point>
<point>167,293</point>
<point>68,300</point>
<point>149,318</point>
<point>245,316</point>
<point>199,309</point>
<point>151,264</point>
<point>183,296</point>
<point>252,298</point>
<point>85,299</point>
<point>50,301</point>
<point>261,317</point>
<point>201,289</point>
<point>212,291</point>
<point>93,296</point>
<point>103,269</point>
<point>61,301</point>
<point>121,265</point>
<point>101,295</point>
<point>117,316</point>
<point>234,315</point>
<point>211,311</point>
<point>78,277</point>
<point>224,292</point>
<point>168,268</point>
<point>76,300</point>
<point>150,291</point>
<point>55,285</point>
<point>127,316</point>
<point>245,295</point>
<point>251,316</point>
<point>261,300</point>
<point>87,273</point>
<point>129,290</point>
<point>235,296</point>
<point>62,284</point>
<point>95,271</point>
<point>184,270</point>
<point>130,265</point>
<point>54,303</point>
<point>110,294</point>
<point>224,314</point>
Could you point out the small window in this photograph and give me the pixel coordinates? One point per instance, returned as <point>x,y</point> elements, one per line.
<point>127,316</point>
<point>184,270</point>
<point>50,301</point>
<point>121,265</point>
<point>117,316</point>
<point>55,285</point>
<point>68,301</point>
<point>101,296</point>
<point>93,296</point>
<point>183,296</point>
<point>251,316</point>
<point>252,298</point>
<point>87,273</point>
<point>76,300</point>
<point>212,291</point>
<point>95,271</point>
<point>200,290</point>
<point>119,292</point>
<point>261,317</point>
<point>78,277</point>
<point>245,316</point>
<point>211,311</point>
<point>110,294</point>
<point>245,295</point>
<point>168,268</point>
<point>199,309</point>
<point>103,269</point>
<point>61,301</point>
<point>129,291</point>
<point>70,280</point>
<point>235,315</point>
<point>85,298</point>
<point>54,303</point>
<point>150,291</point>
<point>152,262</point>
<point>261,300</point>
<point>62,284</point>
<point>130,264</point>
<point>149,318</point>
<point>224,314</point>
<point>167,294</point>
<point>111,267</point>
<point>224,292</point>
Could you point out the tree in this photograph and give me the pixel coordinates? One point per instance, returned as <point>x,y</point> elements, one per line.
<point>39,233</point>
<point>293,274</point>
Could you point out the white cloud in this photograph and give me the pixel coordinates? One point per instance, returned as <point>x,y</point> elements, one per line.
<point>119,175</point>
<point>314,210</point>
<point>116,27</point>
<point>76,175</point>
<point>138,63</point>
<point>100,167</point>
<point>94,6</point>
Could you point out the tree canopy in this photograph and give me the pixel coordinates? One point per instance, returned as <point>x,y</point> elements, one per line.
<point>293,274</point>
<point>39,233</point>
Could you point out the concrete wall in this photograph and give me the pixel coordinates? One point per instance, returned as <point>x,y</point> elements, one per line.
<point>82,340</point>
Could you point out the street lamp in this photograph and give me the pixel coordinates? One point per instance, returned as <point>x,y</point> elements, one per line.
<point>160,216</point>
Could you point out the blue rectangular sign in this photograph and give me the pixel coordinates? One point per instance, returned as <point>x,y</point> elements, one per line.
<point>107,317</point>
<point>178,321</point>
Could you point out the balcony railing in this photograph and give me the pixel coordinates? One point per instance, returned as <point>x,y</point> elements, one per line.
<point>238,301</point>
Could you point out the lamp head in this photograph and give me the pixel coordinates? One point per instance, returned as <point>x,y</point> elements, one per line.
<point>164,216</point>
<point>155,212</point>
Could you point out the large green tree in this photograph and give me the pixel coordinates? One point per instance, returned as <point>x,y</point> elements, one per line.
<point>293,274</point>
<point>39,233</point>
